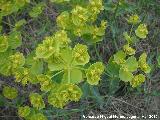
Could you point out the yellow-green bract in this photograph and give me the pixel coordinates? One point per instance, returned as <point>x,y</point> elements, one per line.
<point>134,19</point>
<point>45,82</point>
<point>10,92</point>
<point>36,101</point>
<point>24,111</point>
<point>128,50</point>
<point>141,31</point>
<point>137,80</point>
<point>80,54</point>
<point>143,64</point>
<point>64,93</point>
<point>94,72</point>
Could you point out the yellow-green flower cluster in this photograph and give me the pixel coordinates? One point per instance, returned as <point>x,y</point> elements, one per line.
<point>127,66</point>
<point>141,31</point>
<point>95,7</point>
<point>65,93</point>
<point>128,50</point>
<point>52,45</point>
<point>56,100</point>
<point>24,111</point>
<point>74,92</point>
<point>79,15</point>
<point>47,48</point>
<point>80,21</point>
<point>99,31</point>
<point>9,6</point>
<point>37,116</point>
<point>134,19</point>
<point>11,62</point>
<point>62,38</point>
<point>17,60</point>
<point>45,82</point>
<point>10,92</point>
<point>80,54</point>
<point>22,75</point>
<point>63,20</point>
<point>36,101</point>
<point>94,72</point>
<point>137,80</point>
<point>143,64</point>
<point>3,43</point>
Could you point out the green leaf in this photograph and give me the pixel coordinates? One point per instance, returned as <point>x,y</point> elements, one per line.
<point>125,76</point>
<point>62,61</point>
<point>155,93</point>
<point>15,39</point>
<point>57,78</point>
<point>131,64</point>
<point>113,85</point>
<point>20,23</point>
<point>4,62</point>
<point>37,10</point>
<point>30,58</point>
<point>96,95</point>
<point>3,43</point>
<point>2,101</point>
<point>37,67</point>
<point>4,56</point>
<point>127,37</point>
<point>109,6</point>
<point>5,69</point>
<point>66,55</point>
<point>85,90</point>
<point>112,68</point>
<point>72,76</point>
<point>55,66</point>
<point>119,57</point>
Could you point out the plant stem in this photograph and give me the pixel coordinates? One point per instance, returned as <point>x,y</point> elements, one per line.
<point>131,31</point>
<point>79,68</point>
<point>97,53</point>
<point>69,75</point>
<point>57,73</point>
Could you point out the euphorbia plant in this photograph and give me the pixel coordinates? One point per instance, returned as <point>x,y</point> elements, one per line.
<point>123,64</point>
<point>56,56</point>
